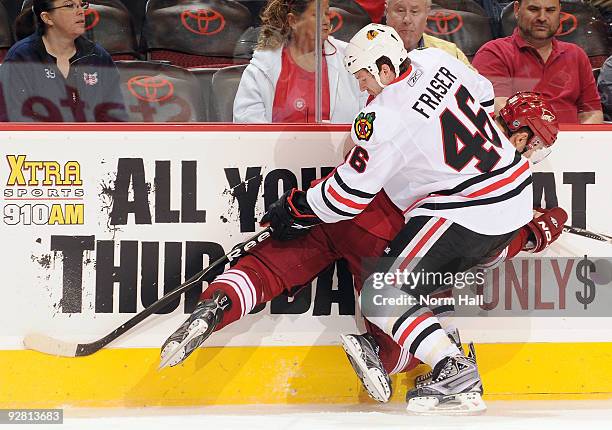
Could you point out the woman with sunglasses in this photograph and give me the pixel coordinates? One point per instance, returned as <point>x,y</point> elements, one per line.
<point>56,74</point>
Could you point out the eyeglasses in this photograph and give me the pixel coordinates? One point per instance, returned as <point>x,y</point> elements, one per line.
<point>73,6</point>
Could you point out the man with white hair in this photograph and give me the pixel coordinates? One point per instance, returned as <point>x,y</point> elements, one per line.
<point>409,19</point>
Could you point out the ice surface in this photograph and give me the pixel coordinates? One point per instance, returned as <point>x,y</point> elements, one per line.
<point>502,415</point>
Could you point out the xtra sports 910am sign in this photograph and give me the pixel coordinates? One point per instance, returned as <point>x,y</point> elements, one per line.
<point>96,225</point>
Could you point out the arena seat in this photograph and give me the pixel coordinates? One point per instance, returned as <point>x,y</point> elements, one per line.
<point>204,76</point>
<point>247,42</point>
<point>12,7</point>
<point>464,5</point>
<point>195,33</point>
<point>255,7</point>
<point>6,33</point>
<point>581,24</point>
<point>347,18</point>
<point>158,92</point>
<point>137,12</point>
<point>224,87</point>
<point>468,30</point>
<point>108,22</point>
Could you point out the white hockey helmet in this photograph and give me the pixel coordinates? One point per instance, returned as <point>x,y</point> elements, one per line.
<point>369,44</point>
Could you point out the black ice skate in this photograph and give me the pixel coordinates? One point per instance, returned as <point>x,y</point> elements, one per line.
<point>194,331</point>
<point>455,388</point>
<point>362,352</point>
<point>454,337</point>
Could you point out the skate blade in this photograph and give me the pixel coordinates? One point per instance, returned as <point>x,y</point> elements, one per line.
<point>373,381</point>
<point>192,335</point>
<point>459,404</point>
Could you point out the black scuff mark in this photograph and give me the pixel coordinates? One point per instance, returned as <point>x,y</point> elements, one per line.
<point>43,260</point>
<point>107,196</point>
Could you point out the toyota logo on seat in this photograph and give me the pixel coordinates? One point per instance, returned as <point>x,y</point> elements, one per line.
<point>567,24</point>
<point>92,18</point>
<point>443,23</point>
<point>204,22</point>
<point>150,88</point>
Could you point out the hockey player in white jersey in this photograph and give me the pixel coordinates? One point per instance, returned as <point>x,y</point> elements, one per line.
<point>429,142</point>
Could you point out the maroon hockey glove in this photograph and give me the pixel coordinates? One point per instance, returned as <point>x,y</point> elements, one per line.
<point>544,229</point>
<point>290,216</point>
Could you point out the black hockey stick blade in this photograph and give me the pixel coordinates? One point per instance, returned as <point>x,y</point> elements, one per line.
<point>586,233</point>
<point>49,345</point>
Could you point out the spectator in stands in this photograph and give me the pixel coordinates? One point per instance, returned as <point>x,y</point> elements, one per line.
<point>604,84</point>
<point>532,59</point>
<point>409,19</point>
<point>279,83</point>
<point>55,74</point>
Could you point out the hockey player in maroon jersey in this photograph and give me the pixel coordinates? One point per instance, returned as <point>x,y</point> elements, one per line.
<point>277,266</point>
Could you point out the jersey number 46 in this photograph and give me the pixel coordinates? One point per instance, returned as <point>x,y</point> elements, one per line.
<point>454,131</point>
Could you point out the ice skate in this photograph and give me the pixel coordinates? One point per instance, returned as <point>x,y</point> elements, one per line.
<point>362,352</point>
<point>455,389</point>
<point>454,337</point>
<point>194,331</point>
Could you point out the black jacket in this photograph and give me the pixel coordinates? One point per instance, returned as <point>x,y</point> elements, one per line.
<point>33,88</point>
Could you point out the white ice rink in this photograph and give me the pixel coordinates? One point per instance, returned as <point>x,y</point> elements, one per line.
<point>506,415</point>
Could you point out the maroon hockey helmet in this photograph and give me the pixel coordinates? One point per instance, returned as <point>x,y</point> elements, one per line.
<point>527,109</point>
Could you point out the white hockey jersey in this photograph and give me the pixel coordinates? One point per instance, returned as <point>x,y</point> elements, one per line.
<point>429,141</point>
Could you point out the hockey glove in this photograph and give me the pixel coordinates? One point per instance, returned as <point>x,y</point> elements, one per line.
<point>290,216</point>
<point>544,229</point>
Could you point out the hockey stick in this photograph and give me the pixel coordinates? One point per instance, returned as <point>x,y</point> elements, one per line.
<point>586,233</point>
<point>49,345</point>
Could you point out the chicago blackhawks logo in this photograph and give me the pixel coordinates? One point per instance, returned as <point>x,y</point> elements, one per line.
<point>371,35</point>
<point>364,125</point>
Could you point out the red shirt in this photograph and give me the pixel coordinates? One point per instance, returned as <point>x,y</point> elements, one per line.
<point>294,97</point>
<point>566,79</point>
<point>374,8</point>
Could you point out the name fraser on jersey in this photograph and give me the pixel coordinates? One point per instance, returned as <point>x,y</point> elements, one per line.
<point>434,93</point>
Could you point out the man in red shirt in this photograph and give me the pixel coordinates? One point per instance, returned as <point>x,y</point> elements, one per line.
<point>532,59</point>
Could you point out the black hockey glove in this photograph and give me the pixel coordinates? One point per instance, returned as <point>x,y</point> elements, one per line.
<point>290,216</point>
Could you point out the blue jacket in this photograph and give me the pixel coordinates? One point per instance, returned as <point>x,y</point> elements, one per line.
<point>33,88</point>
